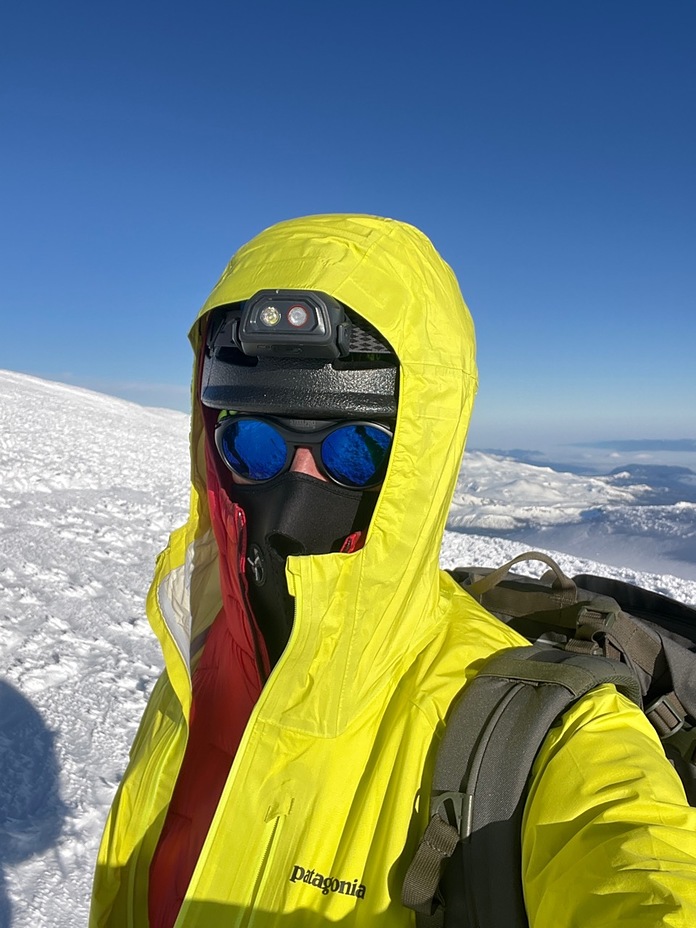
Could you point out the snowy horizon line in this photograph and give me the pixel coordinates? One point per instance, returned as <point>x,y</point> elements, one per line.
<point>155,395</point>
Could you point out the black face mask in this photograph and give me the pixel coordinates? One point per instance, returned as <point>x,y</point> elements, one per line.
<point>294,514</point>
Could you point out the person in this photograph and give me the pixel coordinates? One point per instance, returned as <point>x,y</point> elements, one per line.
<point>313,646</point>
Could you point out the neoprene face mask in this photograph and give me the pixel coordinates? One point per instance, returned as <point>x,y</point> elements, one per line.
<point>294,514</point>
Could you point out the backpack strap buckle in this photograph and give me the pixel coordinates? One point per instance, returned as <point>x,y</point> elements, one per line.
<point>456,809</point>
<point>667,715</point>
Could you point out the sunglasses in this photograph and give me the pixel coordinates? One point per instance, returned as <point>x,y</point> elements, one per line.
<point>351,453</point>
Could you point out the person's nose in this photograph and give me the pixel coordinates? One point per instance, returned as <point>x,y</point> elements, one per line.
<point>304,463</point>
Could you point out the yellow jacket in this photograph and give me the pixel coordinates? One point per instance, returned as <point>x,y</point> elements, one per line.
<point>328,794</point>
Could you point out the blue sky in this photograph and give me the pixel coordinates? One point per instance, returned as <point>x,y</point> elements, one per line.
<point>547,148</point>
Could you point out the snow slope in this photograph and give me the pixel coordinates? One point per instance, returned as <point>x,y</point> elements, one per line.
<point>642,516</point>
<point>90,487</point>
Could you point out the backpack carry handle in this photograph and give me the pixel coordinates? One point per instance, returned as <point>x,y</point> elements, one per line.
<point>561,583</point>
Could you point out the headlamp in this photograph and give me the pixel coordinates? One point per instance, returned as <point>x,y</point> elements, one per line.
<point>287,323</point>
<point>297,353</point>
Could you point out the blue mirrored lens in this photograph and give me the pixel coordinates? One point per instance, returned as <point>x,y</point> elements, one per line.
<point>254,449</point>
<point>356,454</point>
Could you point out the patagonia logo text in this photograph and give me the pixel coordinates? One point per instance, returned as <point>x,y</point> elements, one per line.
<point>327,884</point>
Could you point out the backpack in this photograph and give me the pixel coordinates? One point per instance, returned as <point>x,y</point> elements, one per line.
<point>583,632</point>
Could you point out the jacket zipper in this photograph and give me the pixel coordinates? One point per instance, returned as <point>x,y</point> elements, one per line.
<point>241,568</point>
<point>272,829</point>
<point>272,821</point>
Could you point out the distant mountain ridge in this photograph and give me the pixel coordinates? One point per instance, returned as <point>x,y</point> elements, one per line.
<point>642,444</point>
<point>640,515</point>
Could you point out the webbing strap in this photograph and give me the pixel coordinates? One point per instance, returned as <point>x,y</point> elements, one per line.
<point>580,646</point>
<point>635,641</point>
<point>425,872</point>
<point>624,636</point>
<point>509,602</point>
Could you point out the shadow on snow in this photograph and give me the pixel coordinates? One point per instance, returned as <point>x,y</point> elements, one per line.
<point>32,813</point>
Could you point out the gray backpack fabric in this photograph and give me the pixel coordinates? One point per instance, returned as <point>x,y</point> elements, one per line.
<point>584,631</point>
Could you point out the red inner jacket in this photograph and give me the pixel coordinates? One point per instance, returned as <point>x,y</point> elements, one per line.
<point>226,685</point>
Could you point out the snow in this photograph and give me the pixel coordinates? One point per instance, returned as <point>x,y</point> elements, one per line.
<point>616,519</point>
<point>90,487</point>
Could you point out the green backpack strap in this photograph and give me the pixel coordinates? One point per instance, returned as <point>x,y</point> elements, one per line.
<point>496,727</point>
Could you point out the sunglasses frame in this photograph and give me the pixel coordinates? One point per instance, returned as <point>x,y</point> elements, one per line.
<point>302,438</point>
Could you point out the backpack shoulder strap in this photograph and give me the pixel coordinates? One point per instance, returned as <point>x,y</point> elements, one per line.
<point>495,729</point>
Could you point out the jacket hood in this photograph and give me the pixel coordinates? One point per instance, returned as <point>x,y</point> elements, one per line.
<point>365,612</point>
